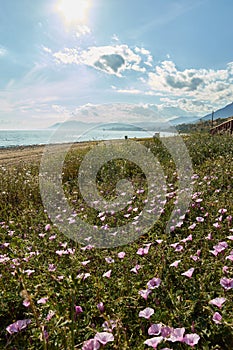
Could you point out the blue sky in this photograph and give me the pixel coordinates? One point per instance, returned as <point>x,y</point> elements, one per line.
<point>91,58</point>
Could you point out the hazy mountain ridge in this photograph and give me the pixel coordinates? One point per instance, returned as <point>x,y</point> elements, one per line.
<point>223,113</point>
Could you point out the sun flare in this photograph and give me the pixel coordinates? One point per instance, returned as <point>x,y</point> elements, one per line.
<point>74,11</point>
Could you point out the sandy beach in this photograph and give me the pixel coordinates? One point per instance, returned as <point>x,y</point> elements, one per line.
<point>23,154</point>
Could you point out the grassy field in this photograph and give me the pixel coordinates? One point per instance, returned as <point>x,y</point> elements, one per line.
<point>161,289</point>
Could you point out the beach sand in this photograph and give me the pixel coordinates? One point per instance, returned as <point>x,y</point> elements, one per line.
<point>25,154</point>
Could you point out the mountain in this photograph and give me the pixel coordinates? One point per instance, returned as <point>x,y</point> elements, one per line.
<point>182,120</point>
<point>225,112</point>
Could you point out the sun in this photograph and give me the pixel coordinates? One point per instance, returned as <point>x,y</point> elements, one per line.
<point>74,11</point>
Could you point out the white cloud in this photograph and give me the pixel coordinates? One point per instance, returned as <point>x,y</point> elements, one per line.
<point>109,59</point>
<point>129,91</point>
<point>46,49</point>
<point>3,51</point>
<point>199,88</point>
<point>82,30</point>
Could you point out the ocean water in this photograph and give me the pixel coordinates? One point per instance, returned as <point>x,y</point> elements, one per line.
<point>12,138</point>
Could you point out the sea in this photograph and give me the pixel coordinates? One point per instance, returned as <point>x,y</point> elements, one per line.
<point>13,138</point>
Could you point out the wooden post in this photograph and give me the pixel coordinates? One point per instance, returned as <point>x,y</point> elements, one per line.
<point>212,119</point>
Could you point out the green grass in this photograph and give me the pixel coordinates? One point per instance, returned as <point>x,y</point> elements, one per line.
<point>178,302</point>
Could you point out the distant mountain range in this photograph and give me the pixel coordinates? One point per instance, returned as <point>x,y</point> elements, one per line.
<point>224,112</point>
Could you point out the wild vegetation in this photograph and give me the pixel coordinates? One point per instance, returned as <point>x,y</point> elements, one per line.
<point>164,291</point>
<point>202,126</point>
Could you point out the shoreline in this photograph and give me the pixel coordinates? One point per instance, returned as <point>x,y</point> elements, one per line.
<point>13,155</point>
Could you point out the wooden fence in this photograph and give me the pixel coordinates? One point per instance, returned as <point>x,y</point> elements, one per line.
<point>223,128</point>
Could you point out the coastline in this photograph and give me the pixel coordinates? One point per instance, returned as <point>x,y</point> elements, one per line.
<point>14,155</point>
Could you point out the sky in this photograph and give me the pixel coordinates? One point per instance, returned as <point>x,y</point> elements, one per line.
<point>113,60</point>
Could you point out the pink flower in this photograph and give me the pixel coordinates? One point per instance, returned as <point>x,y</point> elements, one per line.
<point>18,326</point>
<point>166,331</point>
<point>42,301</point>
<point>104,337</point>
<point>189,238</point>
<point>78,309</point>
<point>146,313</point>
<point>84,263</point>
<point>26,303</point>
<point>200,219</point>
<point>121,255</point>
<point>225,269</point>
<point>47,227</point>
<point>109,325</point>
<point>229,257</point>
<point>153,342</point>
<point>177,334</point>
<point>154,283</point>
<point>83,276</point>
<point>192,227</point>
<point>100,306</point>
<point>188,273</point>
<point>155,329</point>
<point>144,293</point>
<point>50,315</point>
<point>109,260</point>
<point>217,318</point>
<point>135,268</point>
<point>218,302</point>
<point>143,251</point>
<point>226,283</point>
<point>191,339</point>
<point>222,211</point>
<point>175,263</point>
<point>91,344</point>
<point>29,272</point>
<point>107,274</point>
<point>52,267</point>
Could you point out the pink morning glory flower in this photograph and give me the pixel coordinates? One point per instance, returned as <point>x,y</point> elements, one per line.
<point>146,313</point>
<point>78,309</point>
<point>52,267</point>
<point>153,342</point>
<point>192,227</point>
<point>104,337</point>
<point>175,263</point>
<point>166,331</point>
<point>42,301</point>
<point>188,273</point>
<point>121,255</point>
<point>143,251</point>
<point>91,344</point>
<point>100,306</point>
<point>47,227</point>
<point>155,329</point>
<point>18,326</point>
<point>229,257</point>
<point>218,302</point>
<point>191,339</point>
<point>109,325</point>
<point>200,219</point>
<point>217,317</point>
<point>136,268</point>
<point>144,293</point>
<point>107,274</point>
<point>154,283</point>
<point>226,283</point>
<point>26,303</point>
<point>177,334</point>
